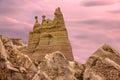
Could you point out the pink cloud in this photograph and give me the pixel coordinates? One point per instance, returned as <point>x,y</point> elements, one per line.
<point>89,3</point>
<point>12,20</point>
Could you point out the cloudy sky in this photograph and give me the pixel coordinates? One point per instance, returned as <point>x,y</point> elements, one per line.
<point>90,23</point>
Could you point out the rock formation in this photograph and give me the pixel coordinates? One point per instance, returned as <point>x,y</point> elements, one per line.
<point>78,69</point>
<point>49,36</point>
<point>57,67</point>
<point>104,64</point>
<point>15,65</point>
<point>51,56</point>
<point>17,43</point>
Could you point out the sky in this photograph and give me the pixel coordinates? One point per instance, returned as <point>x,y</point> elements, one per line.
<point>90,23</point>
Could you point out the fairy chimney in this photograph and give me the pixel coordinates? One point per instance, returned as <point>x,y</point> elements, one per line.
<point>49,36</point>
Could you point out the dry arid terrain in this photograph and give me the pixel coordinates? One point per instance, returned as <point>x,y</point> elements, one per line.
<point>48,56</point>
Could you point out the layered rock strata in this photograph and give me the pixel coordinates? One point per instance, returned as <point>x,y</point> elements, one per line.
<point>102,65</point>
<point>15,65</point>
<point>49,36</point>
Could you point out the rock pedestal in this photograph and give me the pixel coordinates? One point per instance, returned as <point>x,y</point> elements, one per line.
<point>49,36</point>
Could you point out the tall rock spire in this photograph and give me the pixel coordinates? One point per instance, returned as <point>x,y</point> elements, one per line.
<point>50,36</point>
<point>36,18</point>
<point>43,18</point>
<point>58,17</point>
<point>37,24</point>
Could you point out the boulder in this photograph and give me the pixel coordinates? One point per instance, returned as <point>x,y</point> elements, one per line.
<point>103,65</point>
<point>57,67</point>
<point>14,65</point>
<point>78,69</point>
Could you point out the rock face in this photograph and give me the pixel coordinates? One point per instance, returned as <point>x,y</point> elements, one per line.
<point>13,64</point>
<point>78,69</point>
<point>49,36</point>
<point>49,44</point>
<point>104,64</point>
<point>57,67</point>
<point>18,43</point>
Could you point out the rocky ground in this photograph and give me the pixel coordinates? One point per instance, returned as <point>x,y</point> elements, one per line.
<point>15,65</point>
<point>102,65</point>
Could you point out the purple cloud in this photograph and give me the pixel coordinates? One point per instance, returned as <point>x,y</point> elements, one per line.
<point>114,11</point>
<point>105,24</point>
<point>90,3</point>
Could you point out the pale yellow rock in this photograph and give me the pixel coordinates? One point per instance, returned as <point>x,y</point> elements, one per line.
<point>2,50</point>
<point>49,36</point>
<point>57,67</point>
<point>13,63</point>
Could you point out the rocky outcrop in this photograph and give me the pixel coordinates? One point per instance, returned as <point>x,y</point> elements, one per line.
<point>50,56</point>
<point>13,64</point>
<point>104,64</point>
<point>17,43</point>
<point>78,69</point>
<point>49,36</point>
<point>56,67</point>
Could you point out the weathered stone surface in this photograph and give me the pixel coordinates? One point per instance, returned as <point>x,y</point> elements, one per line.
<point>57,67</point>
<point>13,64</point>
<point>2,50</point>
<point>104,64</point>
<point>17,43</point>
<point>49,36</point>
<point>78,69</point>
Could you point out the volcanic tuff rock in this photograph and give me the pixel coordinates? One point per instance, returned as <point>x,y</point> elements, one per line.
<point>49,36</point>
<point>15,65</point>
<point>104,64</point>
<point>47,41</point>
<point>78,69</point>
<point>56,66</point>
<point>17,43</point>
